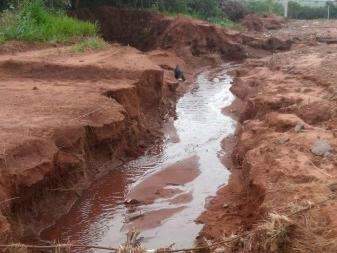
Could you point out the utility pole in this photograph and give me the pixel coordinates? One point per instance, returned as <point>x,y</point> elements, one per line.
<point>285,3</point>
<point>328,11</point>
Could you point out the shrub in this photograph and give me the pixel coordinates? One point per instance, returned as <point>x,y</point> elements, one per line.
<point>265,7</point>
<point>204,8</point>
<point>227,23</point>
<point>233,9</point>
<point>94,43</point>
<point>298,11</point>
<point>32,22</point>
<point>180,6</point>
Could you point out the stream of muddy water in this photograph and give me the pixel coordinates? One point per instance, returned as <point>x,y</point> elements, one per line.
<point>163,192</point>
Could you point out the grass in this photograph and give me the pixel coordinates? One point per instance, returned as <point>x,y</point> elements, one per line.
<point>33,22</point>
<point>221,21</point>
<point>227,23</point>
<point>265,7</point>
<point>89,44</point>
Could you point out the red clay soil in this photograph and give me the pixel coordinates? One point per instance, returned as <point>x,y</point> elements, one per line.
<point>64,115</point>
<point>148,30</point>
<point>258,23</point>
<point>67,118</point>
<point>188,38</point>
<point>278,197</point>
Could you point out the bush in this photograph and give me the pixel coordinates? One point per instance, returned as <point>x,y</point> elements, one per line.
<point>204,8</point>
<point>265,7</point>
<point>298,11</point>
<point>32,22</point>
<point>233,9</point>
<point>227,23</point>
<point>180,6</point>
<point>94,43</point>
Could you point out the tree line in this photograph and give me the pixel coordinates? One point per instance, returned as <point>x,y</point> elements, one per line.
<point>203,8</point>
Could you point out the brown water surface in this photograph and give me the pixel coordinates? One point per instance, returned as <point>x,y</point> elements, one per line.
<point>164,191</point>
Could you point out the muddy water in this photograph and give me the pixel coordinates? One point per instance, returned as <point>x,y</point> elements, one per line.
<point>167,188</point>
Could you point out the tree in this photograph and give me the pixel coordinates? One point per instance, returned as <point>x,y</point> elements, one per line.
<point>205,8</point>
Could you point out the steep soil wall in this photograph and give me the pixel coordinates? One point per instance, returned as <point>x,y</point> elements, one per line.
<point>147,30</point>
<point>281,196</point>
<point>66,122</point>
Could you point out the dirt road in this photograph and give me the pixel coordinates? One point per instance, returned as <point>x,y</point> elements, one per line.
<point>280,197</point>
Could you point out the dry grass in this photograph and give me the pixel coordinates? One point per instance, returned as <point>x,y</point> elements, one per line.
<point>132,244</point>
<point>19,249</point>
<point>305,233</point>
<point>89,44</point>
<point>274,62</point>
<point>273,235</point>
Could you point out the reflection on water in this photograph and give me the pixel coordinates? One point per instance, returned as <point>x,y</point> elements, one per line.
<point>171,186</point>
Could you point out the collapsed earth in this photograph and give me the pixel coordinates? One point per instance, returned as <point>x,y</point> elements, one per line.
<point>199,137</point>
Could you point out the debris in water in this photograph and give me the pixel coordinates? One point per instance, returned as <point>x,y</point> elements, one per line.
<point>132,244</point>
<point>132,202</point>
<point>135,217</point>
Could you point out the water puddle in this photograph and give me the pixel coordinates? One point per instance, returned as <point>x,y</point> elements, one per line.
<point>163,192</point>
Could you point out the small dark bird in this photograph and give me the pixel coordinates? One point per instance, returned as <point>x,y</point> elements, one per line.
<point>179,74</point>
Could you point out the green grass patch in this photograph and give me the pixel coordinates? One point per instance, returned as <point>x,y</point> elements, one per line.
<point>33,22</point>
<point>265,7</point>
<point>2,39</point>
<point>221,21</point>
<point>227,23</point>
<point>89,44</point>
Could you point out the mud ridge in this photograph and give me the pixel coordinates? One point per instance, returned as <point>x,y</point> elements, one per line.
<point>148,30</point>
<point>70,118</point>
<point>68,131</point>
<point>276,168</point>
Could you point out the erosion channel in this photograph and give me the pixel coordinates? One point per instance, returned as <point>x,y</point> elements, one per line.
<point>163,192</point>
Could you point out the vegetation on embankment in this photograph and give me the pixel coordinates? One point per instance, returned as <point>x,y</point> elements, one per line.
<point>32,21</point>
<point>209,10</point>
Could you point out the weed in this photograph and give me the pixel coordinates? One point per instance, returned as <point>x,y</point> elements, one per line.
<point>227,23</point>
<point>276,230</point>
<point>221,21</point>
<point>2,39</point>
<point>33,22</point>
<point>265,7</point>
<point>89,44</point>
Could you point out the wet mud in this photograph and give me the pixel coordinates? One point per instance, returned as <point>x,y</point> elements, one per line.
<point>167,187</point>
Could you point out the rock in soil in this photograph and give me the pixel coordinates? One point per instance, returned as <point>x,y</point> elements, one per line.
<point>321,148</point>
<point>299,127</point>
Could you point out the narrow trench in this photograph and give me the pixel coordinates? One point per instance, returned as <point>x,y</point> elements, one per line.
<point>163,192</point>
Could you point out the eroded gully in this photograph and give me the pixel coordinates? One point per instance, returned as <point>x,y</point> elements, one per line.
<point>163,192</point>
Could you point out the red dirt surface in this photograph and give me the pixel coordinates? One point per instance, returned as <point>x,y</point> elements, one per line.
<point>67,118</point>
<point>275,172</point>
<point>64,115</point>
<point>258,23</point>
<point>147,30</point>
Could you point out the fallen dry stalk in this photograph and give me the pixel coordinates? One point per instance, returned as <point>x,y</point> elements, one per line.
<point>27,246</point>
<point>275,221</point>
<point>309,207</point>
